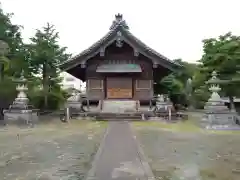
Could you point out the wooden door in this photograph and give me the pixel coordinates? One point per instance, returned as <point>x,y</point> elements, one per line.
<point>119,88</point>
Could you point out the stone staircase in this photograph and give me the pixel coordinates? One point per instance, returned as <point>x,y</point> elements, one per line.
<point>119,106</point>
<point>118,110</point>
<point>118,117</point>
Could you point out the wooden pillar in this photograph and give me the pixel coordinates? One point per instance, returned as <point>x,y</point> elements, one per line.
<point>151,95</point>
<point>150,103</point>
<point>102,98</point>
<point>87,94</point>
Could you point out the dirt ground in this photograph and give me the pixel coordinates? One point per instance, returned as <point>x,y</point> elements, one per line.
<point>49,151</point>
<point>182,152</point>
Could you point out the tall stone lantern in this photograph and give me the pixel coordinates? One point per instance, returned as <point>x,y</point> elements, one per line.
<point>21,112</point>
<point>217,115</point>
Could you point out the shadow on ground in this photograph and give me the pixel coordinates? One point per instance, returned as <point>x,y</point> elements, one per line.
<point>49,151</point>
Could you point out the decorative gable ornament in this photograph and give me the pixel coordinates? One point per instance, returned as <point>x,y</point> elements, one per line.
<point>119,40</point>
<point>119,22</point>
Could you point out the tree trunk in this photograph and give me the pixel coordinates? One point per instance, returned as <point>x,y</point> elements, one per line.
<point>45,85</point>
<point>232,105</point>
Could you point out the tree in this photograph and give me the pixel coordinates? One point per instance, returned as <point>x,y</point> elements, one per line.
<point>10,46</point>
<point>175,83</point>
<point>187,71</point>
<point>46,54</point>
<point>11,35</point>
<point>4,61</point>
<point>222,54</point>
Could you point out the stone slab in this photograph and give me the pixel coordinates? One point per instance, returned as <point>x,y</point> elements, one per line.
<point>21,117</point>
<point>220,121</point>
<point>118,106</point>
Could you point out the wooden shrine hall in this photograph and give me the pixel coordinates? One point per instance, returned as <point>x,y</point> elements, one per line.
<point>119,66</point>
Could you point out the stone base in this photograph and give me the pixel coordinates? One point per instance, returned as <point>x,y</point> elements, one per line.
<point>215,106</point>
<point>223,127</point>
<point>20,117</point>
<point>220,120</point>
<point>74,105</point>
<point>119,106</point>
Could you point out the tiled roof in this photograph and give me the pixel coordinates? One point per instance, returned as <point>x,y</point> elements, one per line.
<point>118,25</point>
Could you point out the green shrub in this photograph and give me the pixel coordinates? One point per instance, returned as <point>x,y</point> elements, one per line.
<point>55,100</point>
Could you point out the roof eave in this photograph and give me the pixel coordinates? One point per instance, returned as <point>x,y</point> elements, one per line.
<point>74,61</point>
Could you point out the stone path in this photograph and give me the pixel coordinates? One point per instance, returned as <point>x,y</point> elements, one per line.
<point>119,157</point>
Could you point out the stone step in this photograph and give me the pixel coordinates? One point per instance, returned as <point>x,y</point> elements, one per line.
<point>122,117</point>
<point>118,118</point>
<point>118,106</point>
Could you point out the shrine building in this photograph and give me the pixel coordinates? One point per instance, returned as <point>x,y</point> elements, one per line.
<point>119,66</point>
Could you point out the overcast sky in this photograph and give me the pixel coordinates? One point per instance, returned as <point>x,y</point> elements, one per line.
<point>174,28</point>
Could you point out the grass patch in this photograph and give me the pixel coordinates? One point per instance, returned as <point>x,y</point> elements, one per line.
<point>206,174</point>
<point>55,127</point>
<point>182,126</point>
<point>222,132</point>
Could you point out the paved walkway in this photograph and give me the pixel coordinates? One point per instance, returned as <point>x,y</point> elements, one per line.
<point>119,156</point>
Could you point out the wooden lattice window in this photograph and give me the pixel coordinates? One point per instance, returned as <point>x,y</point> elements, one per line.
<point>95,84</point>
<point>143,84</point>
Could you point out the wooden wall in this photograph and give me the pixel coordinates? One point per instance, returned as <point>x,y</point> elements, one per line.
<point>142,83</point>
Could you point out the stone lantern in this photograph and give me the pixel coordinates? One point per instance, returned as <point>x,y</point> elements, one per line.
<point>217,115</point>
<point>21,112</point>
<point>215,102</point>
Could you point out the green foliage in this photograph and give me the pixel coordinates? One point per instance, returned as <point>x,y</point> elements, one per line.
<point>11,34</point>
<point>55,99</point>
<point>187,71</point>
<point>8,88</point>
<point>45,51</point>
<point>38,59</point>
<point>220,54</point>
<point>46,54</point>
<point>5,62</point>
<point>175,84</point>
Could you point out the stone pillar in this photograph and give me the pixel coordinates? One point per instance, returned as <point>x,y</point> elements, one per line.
<point>21,112</point>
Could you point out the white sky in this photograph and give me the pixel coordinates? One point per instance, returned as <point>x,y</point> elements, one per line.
<point>174,28</point>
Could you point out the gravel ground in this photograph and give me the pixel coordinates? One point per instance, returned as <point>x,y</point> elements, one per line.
<point>175,154</point>
<point>49,151</point>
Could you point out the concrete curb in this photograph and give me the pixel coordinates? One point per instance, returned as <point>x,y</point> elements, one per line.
<point>91,173</point>
<point>142,157</point>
